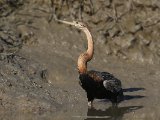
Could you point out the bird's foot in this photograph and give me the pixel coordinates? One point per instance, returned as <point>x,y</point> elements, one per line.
<point>90,105</point>
<point>115,105</point>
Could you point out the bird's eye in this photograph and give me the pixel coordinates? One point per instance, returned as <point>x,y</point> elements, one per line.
<point>76,22</point>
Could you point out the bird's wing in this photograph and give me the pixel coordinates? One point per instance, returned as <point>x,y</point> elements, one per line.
<point>100,76</point>
<point>113,85</point>
<point>109,81</point>
<point>95,75</point>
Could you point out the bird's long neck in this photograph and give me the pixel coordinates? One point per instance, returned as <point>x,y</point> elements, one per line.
<point>86,56</point>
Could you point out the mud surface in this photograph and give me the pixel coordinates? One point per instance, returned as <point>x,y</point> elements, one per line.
<point>38,74</point>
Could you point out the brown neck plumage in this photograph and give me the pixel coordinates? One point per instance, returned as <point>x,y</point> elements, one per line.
<point>86,56</point>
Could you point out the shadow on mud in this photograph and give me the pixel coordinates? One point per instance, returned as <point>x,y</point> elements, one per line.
<point>129,97</point>
<point>111,113</point>
<point>132,89</point>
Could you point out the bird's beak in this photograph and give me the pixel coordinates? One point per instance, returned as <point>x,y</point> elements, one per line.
<point>66,22</point>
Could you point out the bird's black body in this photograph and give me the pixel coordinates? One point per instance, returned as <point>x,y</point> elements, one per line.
<point>101,85</point>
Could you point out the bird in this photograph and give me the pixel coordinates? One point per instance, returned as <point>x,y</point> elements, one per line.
<point>98,85</point>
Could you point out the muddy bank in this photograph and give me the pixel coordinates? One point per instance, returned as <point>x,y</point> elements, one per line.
<point>24,89</point>
<point>127,29</point>
<point>38,74</point>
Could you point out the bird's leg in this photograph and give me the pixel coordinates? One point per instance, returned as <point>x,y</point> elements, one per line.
<point>90,100</point>
<point>90,104</point>
<point>115,104</point>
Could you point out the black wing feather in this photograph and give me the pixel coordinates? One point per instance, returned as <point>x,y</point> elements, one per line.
<point>109,81</point>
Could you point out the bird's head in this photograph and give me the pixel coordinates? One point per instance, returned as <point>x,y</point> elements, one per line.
<point>77,24</point>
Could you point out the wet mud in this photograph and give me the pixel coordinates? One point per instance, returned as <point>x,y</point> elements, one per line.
<point>38,58</point>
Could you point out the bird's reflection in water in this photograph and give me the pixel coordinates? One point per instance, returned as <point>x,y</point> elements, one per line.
<point>111,113</point>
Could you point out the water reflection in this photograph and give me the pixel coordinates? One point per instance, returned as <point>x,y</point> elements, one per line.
<point>111,113</point>
<point>114,113</point>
